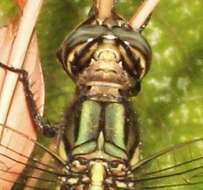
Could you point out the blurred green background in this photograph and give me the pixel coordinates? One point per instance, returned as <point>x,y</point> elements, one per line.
<point>170,105</point>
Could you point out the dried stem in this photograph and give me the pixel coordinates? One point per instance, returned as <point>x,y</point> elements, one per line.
<point>18,53</point>
<point>142,14</point>
<point>104,8</point>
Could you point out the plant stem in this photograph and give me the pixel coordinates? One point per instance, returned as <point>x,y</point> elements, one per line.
<point>104,8</point>
<point>22,40</point>
<point>143,13</point>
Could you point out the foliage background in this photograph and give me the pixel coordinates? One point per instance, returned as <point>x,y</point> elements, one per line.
<point>170,105</point>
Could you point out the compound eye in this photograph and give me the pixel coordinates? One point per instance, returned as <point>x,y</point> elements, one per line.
<point>140,64</point>
<point>79,165</point>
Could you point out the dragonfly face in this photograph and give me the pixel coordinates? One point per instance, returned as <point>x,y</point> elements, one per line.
<point>95,54</point>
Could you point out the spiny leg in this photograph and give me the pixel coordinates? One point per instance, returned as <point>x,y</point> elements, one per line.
<point>44,127</point>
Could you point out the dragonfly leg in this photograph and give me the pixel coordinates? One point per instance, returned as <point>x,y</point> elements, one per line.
<point>46,128</point>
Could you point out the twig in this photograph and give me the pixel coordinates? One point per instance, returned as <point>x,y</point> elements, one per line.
<point>142,14</point>
<point>18,53</point>
<point>104,8</point>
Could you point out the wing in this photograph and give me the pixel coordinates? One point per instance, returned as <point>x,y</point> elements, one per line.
<point>43,169</point>
<point>14,111</point>
<point>177,167</point>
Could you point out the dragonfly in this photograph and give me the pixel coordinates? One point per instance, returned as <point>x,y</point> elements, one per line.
<point>100,137</point>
